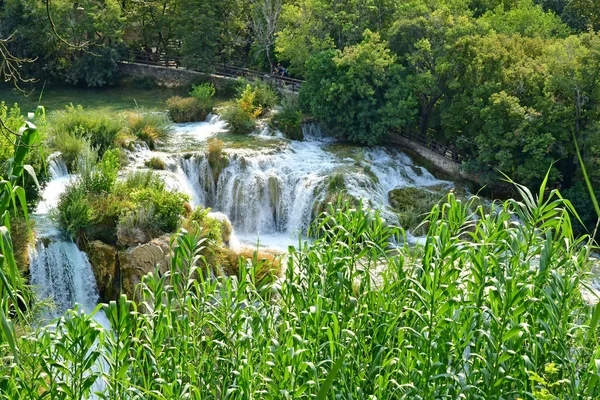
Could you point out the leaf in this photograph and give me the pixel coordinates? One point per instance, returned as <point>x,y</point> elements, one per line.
<point>322,395</point>
<point>9,333</point>
<point>586,177</point>
<point>32,173</point>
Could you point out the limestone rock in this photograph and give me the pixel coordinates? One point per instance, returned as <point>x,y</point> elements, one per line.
<point>140,260</point>
<point>104,261</point>
<point>131,236</point>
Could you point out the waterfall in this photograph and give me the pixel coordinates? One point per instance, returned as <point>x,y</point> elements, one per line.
<point>276,191</point>
<point>58,269</point>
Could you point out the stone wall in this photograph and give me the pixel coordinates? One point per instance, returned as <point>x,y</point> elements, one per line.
<point>440,162</point>
<point>164,75</point>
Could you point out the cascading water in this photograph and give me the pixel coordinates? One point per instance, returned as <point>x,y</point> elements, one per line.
<point>271,191</point>
<point>59,270</point>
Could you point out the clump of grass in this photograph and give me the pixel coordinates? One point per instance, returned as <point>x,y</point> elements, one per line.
<point>209,227</point>
<point>76,123</point>
<point>217,160</point>
<point>185,109</point>
<point>149,127</point>
<point>155,163</point>
<point>204,95</point>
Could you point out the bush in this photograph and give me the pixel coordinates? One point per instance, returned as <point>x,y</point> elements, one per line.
<point>155,163</point>
<point>96,126</point>
<point>166,207</point>
<point>238,119</point>
<point>412,205</point>
<point>257,98</point>
<point>185,109</point>
<point>139,179</point>
<point>217,160</point>
<point>69,146</point>
<point>149,127</point>
<point>289,119</point>
<point>209,227</point>
<point>204,94</point>
<point>265,96</point>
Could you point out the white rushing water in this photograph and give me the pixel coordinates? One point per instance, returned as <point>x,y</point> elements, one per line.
<point>270,192</point>
<point>59,270</point>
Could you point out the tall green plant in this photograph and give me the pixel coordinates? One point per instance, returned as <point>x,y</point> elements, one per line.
<point>13,294</point>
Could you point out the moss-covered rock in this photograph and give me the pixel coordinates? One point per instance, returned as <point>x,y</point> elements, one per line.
<point>412,205</point>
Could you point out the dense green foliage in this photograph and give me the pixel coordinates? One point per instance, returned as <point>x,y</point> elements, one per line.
<point>253,100</point>
<point>288,118</point>
<point>72,128</point>
<point>487,309</point>
<point>149,127</point>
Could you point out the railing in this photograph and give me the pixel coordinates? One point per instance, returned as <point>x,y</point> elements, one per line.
<point>448,151</point>
<point>225,70</point>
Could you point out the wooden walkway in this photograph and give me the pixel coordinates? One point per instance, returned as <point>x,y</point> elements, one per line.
<point>223,70</point>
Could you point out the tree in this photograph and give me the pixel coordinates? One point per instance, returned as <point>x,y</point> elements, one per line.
<point>265,17</point>
<point>358,93</point>
<point>427,46</point>
<point>87,48</point>
<point>198,32</point>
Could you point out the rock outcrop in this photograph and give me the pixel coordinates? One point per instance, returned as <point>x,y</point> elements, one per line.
<point>104,260</point>
<point>140,260</point>
<point>120,271</point>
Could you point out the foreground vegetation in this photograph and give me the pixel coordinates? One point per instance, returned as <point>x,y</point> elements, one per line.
<point>488,308</point>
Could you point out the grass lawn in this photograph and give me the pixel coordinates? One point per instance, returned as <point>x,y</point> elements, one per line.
<point>117,98</point>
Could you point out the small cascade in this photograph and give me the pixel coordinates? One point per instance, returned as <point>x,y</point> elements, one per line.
<point>312,131</point>
<point>59,270</point>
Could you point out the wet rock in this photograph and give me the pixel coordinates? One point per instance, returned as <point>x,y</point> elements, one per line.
<point>104,261</point>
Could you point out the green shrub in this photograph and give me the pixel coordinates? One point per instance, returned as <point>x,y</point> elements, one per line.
<point>149,127</point>
<point>106,172</point>
<point>155,163</point>
<point>98,127</point>
<point>209,227</point>
<point>265,96</point>
<point>185,109</point>
<point>238,119</point>
<point>289,119</point>
<point>204,94</point>
<point>139,180</point>
<point>158,209</point>
<point>217,160</point>
<point>69,146</point>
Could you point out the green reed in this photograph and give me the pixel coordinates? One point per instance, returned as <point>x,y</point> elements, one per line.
<point>489,307</point>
